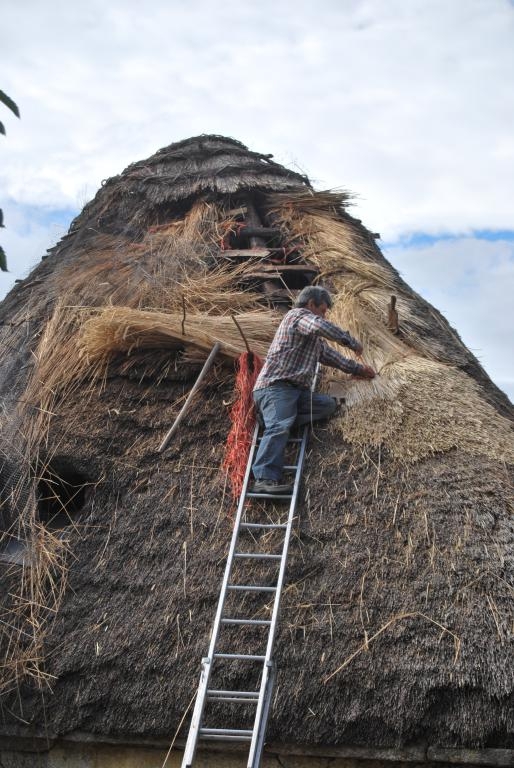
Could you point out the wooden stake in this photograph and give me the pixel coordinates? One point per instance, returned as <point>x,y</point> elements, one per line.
<point>207,366</point>
<point>241,332</point>
<point>183,315</point>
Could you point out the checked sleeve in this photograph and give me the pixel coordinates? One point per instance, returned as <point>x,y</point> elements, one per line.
<point>334,359</point>
<point>310,324</point>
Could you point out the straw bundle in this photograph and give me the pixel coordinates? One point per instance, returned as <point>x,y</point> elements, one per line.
<point>371,303</point>
<point>121,329</point>
<point>173,264</point>
<point>381,346</point>
<point>57,371</point>
<point>27,614</point>
<point>211,291</point>
<point>201,221</point>
<point>420,407</point>
<point>334,244</point>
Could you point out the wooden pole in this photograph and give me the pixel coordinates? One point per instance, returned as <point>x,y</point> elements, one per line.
<point>206,367</point>
<point>241,332</point>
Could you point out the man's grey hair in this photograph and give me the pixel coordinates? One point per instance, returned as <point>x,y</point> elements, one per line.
<point>318,295</point>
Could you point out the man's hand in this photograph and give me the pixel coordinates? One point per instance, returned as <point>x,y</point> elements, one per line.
<point>365,372</point>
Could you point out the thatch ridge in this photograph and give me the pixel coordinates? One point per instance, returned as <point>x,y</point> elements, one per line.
<point>401,573</point>
<point>146,191</point>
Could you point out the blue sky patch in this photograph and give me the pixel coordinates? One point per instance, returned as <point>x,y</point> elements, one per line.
<point>423,239</point>
<point>24,218</point>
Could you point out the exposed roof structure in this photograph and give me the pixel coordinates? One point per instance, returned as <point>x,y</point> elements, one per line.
<point>397,625</point>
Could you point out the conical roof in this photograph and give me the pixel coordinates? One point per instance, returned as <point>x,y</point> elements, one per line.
<point>397,619</point>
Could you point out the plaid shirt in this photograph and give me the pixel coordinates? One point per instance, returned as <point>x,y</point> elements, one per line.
<point>298,347</point>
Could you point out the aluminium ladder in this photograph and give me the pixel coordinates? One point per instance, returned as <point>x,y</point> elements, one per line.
<point>260,699</point>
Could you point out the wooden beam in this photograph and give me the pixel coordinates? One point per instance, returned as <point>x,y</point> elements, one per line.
<point>310,268</point>
<point>253,220</point>
<point>246,253</point>
<point>251,231</point>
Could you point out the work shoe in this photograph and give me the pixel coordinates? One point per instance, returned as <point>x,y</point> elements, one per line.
<point>275,487</point>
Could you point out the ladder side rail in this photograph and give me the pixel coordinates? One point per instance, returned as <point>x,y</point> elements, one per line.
<point>259,734</point>
<point>233,544</point>
<point>266,689</point>
<point>285,550</point>
<point>285,547</point>
<point>254,756</point>
<point>196,719</point>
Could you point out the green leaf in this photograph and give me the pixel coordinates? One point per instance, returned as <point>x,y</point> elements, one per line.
<point>1,218</point>
<point>4,98</point>
<point>2,129</point>
<point>3,260</point>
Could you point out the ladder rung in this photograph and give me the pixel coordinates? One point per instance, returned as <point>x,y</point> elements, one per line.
<point>245,697</point>
<point>291,440</point>
<point>252,495</point>
<point>254,622</point>
<point>229,700</point>
<point>225,733</point>
<point>263,525</point>
<point>250,588</point>
<point>257,556</point>
<point>244,694</point>
<point>290,466</point>
<point>224,738</point>
<point>243,656</point>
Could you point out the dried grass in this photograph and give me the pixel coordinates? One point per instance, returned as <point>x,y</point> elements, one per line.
<point>334,244</point>
<point>57,371</point>
<point>392,621</point>
<point>213,291</point>
<point>167,293</point>
<point>168,269</point>
<point>173,263</point>
<point>419,407</point>
<point>121,329</point>
<point>28,611</point>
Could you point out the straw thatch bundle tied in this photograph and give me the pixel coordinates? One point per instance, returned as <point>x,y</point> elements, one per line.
<point>420,407</point>
<point>121,329</point>
<point>401,572</point>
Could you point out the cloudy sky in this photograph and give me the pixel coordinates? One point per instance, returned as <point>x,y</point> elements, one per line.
<point>407,103</point>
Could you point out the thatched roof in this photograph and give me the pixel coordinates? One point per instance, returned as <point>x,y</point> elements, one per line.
<point>153,190</point>
<point>397,623</point>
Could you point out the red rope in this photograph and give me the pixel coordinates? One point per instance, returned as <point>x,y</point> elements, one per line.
<point>242,417</point>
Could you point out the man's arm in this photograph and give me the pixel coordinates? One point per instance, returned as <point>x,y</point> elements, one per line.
<point>334,359</point>
<point>310,324</point>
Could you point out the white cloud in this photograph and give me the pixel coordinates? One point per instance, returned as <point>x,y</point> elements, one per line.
<point>471,281</point>
<point>409,104</point>
<point>27,235</point>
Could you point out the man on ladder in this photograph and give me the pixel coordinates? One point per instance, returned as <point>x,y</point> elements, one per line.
<point>282,396</point>
<point>282,392</point>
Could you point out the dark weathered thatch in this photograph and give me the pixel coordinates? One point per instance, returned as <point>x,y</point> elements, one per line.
<point>397,625</point>
<point>152,191</point>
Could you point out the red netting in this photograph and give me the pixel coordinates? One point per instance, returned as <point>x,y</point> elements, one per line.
<point>242,417</point>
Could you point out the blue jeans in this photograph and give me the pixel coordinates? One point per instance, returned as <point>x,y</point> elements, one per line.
<point>281,405</point>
